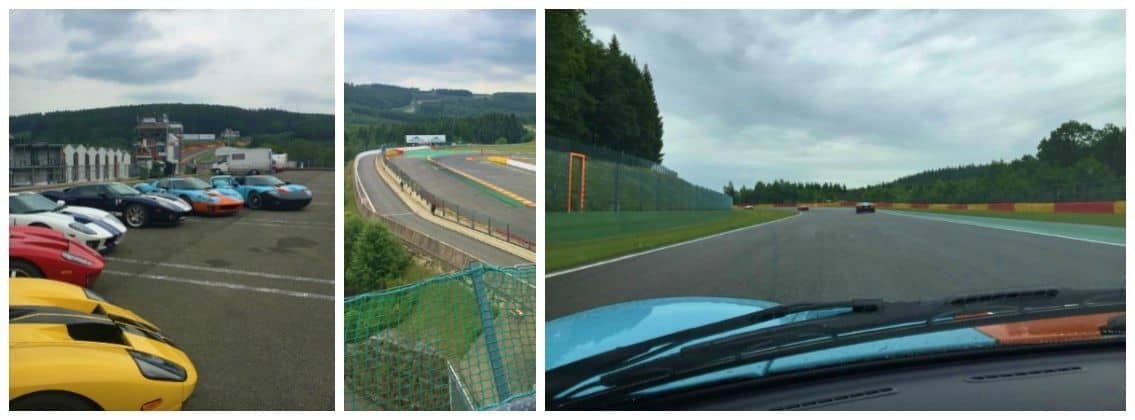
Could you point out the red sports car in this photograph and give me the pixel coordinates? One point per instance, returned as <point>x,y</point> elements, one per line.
<point>45,253</point>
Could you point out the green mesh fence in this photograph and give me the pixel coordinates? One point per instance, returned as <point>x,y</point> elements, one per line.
<point>617,181</point>
<point>461,341</point>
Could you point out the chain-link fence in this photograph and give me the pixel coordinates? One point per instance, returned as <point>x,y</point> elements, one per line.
<point>477,221</point>
<point>616,181</point>
<point>947,193</point>
<point>461,341</point>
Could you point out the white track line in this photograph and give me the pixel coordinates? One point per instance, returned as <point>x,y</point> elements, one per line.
<point>223,270</point>
<point>651,251</point>
<point>963,222</point>
<point>225,285</point>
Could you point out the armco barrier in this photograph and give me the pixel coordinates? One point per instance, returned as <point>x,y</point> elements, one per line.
<point>1000,206</point>
<point>1086,207</point>
<point>1033,207</point>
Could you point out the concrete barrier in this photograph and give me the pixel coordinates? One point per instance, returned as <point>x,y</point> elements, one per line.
<point>1000,206</point>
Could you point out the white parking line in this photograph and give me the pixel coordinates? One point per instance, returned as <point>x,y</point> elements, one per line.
<point>651,251</point>
<point>225,285</point>
<point>223,270</point>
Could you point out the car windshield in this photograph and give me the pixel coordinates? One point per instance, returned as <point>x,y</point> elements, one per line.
<point>263,180</point>
<point>223,182</point>
<point>119,188</point>
<point>190,184</point>
<point>662,221</point>
<point>31,203</point>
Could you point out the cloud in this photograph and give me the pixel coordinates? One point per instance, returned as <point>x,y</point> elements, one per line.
<point>78,59</point>
<point>867,96</point>
<point>484,51</point>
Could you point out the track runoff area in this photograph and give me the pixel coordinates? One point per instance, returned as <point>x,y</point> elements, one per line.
<point>250,298</point>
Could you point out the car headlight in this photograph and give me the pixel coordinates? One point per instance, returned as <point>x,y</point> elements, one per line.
<point>76,259</point>
<point>157,368</point>
<point>81,228</point>
<point>93,296</point>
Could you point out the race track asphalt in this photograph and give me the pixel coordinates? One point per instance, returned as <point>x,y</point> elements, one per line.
<point>468,196</point>
<point>834,254</point>
<point>386,202</point>
<point>250,298</point>
<point>513,179</point>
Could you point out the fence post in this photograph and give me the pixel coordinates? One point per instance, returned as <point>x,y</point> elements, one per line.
<point>491,345</point>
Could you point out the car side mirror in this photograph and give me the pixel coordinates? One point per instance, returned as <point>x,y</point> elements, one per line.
<point>61,202</point>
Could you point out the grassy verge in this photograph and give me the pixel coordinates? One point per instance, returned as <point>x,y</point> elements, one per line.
<point>574,239</point>
<point>529,147</point>
<point>1117,220</point>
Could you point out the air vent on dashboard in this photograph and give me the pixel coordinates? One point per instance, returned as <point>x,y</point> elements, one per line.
<point>1022,374</point>
<point>837,399</point>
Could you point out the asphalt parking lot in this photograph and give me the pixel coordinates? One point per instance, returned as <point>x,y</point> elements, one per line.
<point>250,298</point>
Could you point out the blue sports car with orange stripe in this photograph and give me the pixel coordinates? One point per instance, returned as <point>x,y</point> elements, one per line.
<point>265,191</point>
<point>204,198</point>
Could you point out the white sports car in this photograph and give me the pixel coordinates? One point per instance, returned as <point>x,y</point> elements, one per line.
<point>95,228</point>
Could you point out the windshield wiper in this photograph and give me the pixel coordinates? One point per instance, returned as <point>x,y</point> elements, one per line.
<point>566,376</point>
<point>882,321</point>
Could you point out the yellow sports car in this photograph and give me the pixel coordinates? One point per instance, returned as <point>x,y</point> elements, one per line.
<point>68,349</point>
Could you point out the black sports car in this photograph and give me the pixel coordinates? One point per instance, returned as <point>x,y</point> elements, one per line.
<point>133,207</point>
<point>864,207</point>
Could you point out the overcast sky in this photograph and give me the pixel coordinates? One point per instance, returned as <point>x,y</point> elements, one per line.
<point>66,60</point>
<point>483,51</point>
<point>866,97</point>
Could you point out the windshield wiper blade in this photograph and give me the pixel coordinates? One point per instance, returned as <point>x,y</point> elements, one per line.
<point>888,320</point>
<point>566,376</point>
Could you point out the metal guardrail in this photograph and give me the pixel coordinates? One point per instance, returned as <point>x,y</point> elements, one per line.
<point>466,217</point>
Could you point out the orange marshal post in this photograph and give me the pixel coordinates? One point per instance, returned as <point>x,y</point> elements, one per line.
<point>582,178</point>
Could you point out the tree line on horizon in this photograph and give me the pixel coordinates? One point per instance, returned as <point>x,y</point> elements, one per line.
<point>489,128</point>
<point>1075,162</point>
<point>596,93</point>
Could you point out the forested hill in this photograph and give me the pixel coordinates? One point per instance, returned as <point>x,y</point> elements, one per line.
<point>114,126</point>
<point>379,103</point>
<point>1074,162</point>
<point>596,93</point>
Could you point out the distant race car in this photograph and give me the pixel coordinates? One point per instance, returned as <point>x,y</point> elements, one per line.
<point>864,207</point>
<point>197,193</point>
<point>265,191</point>
<point>135,208</point>
<point>802,207</point>
<point>69,349</point>
<point>93,227</point>
<point>44,253</point>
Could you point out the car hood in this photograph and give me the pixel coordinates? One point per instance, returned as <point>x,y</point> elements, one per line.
<point>588,333</point>
<point>39,237</point>
<point>96,216</point>
<point>167,201</point>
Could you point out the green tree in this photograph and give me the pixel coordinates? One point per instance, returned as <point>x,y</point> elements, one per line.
<point>377,257</point>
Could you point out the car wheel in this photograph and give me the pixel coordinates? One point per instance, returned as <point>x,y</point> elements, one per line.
<point>21,268</point>
<point>53,401</point>
<point>254,201</point>
<point>136,216</point>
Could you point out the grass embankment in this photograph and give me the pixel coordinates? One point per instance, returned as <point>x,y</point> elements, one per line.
<point>419,269</point>
<point>1102,219</point>
<point>574,239</point>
